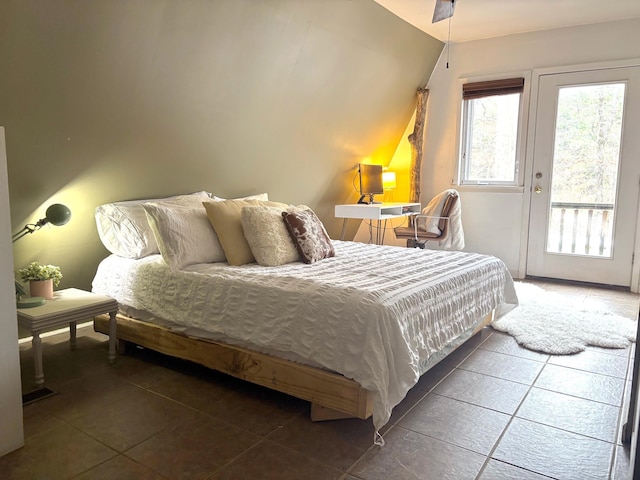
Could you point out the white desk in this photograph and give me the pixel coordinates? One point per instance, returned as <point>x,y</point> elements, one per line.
<point>375,211</point>
<point>67,307</point>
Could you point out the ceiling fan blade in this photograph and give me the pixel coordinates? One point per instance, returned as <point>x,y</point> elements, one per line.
<point>444,9</point>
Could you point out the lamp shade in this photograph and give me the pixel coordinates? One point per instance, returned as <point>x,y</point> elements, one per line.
<point>389,180</point>
<point>58,214</point>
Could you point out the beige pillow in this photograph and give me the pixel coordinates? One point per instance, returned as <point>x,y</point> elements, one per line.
<point>267,235</point>
<point>225,218</point>
<point>184,235</point>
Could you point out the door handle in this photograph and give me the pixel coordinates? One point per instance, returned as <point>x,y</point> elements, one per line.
<point>537,189</point>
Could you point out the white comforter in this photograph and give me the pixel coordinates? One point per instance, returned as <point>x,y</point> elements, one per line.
<point>376,314</point>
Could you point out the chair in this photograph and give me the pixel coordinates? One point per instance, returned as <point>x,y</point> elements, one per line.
<point>423,228</point>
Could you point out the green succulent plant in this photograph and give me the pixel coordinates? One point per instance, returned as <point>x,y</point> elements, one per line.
<point>36,271</point>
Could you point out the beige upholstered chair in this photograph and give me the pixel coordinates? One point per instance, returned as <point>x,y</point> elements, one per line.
<point>417,232</point>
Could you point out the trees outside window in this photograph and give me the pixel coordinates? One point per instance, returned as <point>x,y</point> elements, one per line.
<point>491,132</point>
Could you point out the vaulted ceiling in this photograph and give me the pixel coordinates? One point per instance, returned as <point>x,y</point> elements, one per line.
<point>477,19</point>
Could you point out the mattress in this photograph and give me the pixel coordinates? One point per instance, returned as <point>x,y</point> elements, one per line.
<point>380,315</point>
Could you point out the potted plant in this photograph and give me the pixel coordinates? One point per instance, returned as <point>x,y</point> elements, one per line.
<point>41,278</point>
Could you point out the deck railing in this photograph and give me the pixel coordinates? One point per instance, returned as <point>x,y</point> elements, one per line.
<point>580,228</point>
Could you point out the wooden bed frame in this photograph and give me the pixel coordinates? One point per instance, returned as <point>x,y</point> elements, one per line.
<point>332,395</point>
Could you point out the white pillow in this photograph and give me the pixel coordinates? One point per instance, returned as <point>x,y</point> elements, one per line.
<point>267,235</point>
<point>123,227</point>
<point>184,235</point>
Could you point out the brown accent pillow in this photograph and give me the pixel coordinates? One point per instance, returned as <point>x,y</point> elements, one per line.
<point>309,235</point>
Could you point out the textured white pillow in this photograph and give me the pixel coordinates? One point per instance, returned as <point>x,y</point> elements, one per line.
<point>123,227</point>
<point>184,235</point>
<point>267,235</point>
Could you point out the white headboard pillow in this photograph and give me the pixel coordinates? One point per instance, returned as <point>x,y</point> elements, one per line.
<point>184,235</point>
<point>123,227</point>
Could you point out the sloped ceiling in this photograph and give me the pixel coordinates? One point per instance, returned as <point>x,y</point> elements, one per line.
<point>478,19</point>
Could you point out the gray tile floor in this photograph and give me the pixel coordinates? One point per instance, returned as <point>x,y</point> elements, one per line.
<point>492,410</point>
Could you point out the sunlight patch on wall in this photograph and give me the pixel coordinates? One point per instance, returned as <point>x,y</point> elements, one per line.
<point>401,164</point>
<point>60,245</point>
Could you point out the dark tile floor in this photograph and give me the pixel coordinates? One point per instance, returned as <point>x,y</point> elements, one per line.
<point>492,410</point>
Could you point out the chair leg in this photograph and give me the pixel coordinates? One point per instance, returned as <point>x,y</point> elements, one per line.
<point>413,243</point>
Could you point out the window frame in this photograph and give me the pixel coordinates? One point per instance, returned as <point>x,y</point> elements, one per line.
<point>462,165</point>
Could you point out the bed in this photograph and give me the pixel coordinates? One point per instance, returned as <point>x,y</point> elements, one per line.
<point>351,332</point>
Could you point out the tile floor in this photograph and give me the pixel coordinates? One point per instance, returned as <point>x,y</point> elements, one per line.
<point>492,410</point>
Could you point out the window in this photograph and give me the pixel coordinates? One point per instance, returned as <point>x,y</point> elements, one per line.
<point>490,132</point>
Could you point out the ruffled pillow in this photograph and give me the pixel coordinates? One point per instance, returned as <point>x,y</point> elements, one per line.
<point>267,235</point>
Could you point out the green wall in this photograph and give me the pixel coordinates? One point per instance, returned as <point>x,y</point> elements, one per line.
<point>106,100</point>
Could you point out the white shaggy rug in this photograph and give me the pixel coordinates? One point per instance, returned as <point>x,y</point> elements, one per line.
<point>547,322</point>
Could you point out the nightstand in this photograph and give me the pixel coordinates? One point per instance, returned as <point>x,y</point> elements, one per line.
<point>67,307</point>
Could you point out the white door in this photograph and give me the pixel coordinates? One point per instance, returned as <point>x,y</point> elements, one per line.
<point>586,174</point>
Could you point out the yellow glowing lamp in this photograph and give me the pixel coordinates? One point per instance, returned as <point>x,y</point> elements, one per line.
<point>388,180</point>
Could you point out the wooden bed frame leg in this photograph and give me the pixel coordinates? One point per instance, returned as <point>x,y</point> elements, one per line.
<point>321,414</point>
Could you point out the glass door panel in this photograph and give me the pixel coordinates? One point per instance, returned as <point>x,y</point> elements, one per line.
<point>584,191</point>
<point>585,164</point>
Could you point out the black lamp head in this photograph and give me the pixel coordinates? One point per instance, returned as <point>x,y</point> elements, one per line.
<point>57,214</point>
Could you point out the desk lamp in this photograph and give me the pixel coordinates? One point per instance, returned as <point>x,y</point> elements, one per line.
<point>388,183</point>
<point>57,214</point>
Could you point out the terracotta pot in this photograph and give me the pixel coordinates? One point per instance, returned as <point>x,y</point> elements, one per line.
<point>41,288</point>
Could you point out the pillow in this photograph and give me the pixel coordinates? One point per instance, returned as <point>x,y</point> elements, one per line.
<point>267,235</point>
<point>309,235</point>
<point>123,227</point>
<point>183,234</point>
<point>225,218</point>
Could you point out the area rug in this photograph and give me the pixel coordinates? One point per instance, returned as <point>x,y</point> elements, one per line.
<point>547,322</point>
